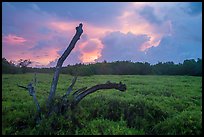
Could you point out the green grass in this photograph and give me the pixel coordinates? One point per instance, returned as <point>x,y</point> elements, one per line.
<point>150,105</point>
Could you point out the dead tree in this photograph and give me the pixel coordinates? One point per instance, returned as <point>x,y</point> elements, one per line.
<point>78,95</point>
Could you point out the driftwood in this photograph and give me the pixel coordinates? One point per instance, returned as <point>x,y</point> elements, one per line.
<point>78,95</point>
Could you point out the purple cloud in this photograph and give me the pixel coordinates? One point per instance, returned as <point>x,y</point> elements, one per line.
<point>148,13</point>
<point>120,46</point>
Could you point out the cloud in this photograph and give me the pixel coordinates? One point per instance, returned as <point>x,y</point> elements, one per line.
<point>89,46</point>
<point>112,31</point>
<point>73,58</point>
<point>185,41</point>
<point>36,36</point>
<point>176,51</point>
<point>146,19</point>
<point>13,39</point>
<point>49,32</point>
<point>175,34</point>
<point>61,26</point>
<point>91,12</point>
<point>148,13</point>
<point>90,50</point>
<point>40,45</point>
<point>120,46</point>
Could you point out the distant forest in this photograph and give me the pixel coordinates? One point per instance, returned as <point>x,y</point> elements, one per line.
<point>188,67</point>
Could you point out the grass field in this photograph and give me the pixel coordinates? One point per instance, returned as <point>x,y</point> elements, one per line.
<point>150,105</point>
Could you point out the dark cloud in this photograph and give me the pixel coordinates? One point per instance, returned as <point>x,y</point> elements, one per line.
<point>176,51</point>
<point>120,46</point>
<point>148,13</point>
<point>185,38</point>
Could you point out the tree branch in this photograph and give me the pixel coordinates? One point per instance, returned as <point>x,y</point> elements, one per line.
<point>108,85</point>
<point>78,91</point>
<point>60,61</point>
<point>70,87</point>
<point>22,87</point>
<point>31,91</point>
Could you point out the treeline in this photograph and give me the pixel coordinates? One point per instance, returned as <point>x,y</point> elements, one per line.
<point>8,67</point>
<point>188,67</point>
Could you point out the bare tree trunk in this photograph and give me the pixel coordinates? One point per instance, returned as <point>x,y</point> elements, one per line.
<point>60,61</point>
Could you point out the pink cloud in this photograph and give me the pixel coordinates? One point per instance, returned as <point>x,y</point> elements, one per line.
<point>132,21</point>
<point>90,50</point>
<point>135,24</point>
<point>13,39</point>
<point>65,28</point>
<point>39,57</point>
<point>90,47</point>
<point>61,25</point>
<point>45,56</point>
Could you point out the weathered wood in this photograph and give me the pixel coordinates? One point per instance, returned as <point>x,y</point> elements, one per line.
<point>31,91</point>
<point>60,61</point>
<point>79,91</point>
<point>70,88</point>
<point>22,87</point>
<point>108,85</point>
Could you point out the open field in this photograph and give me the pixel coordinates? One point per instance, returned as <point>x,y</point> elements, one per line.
<point>150,105</point>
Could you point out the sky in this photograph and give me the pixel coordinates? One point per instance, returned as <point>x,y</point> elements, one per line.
<point>132,31</point>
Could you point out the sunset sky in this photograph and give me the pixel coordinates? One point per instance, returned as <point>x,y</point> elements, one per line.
<point>136,31</point>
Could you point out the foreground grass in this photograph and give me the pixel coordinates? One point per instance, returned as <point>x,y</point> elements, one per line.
<point>151,105</point>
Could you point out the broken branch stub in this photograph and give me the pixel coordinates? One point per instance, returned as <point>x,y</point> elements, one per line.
<point>70,88</point>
